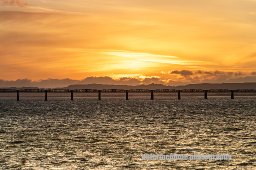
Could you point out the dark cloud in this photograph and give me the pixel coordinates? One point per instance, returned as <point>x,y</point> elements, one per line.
<point>195,77</point>
<point>200,72</point>
<point>210,73</point>
<point>203,72</point>
<point>201,76</point>
<point>55,83</point>
<point>183,72</point>
<point>130,81</point>
<point>121,81</point>
<point>19,82</point>
<point>152,80</point>
<point>42,83</point>
<point>58,83</point>
<point>98,80</point>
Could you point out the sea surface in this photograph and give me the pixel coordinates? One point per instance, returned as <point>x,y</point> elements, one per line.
<point>114,133</point>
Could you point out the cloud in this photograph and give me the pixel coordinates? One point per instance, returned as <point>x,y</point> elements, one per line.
<point>183,72</point>
<point>186,73</point>
<point>187,77</point>
<point>130,81</point>
<point>121,81</point>
<point>19,3</point>
<point>19,82</point>
<point>152,80</point>
<point>42,83</point>
<point>58,83</point>
<point>55,83</point>
<point>181,77</point>
<point>98,80</point>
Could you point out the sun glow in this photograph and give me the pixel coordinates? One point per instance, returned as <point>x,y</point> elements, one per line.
<point>131,76</point>
<point>137,60</point>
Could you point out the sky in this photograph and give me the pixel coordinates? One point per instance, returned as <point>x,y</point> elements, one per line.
<point>158,41</point>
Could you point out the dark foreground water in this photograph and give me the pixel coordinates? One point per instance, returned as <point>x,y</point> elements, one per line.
<point>113,133</point>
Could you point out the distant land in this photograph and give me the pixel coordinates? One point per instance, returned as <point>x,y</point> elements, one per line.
<point>203,86</point>
<point>230,86</point>
<point>102,86</point>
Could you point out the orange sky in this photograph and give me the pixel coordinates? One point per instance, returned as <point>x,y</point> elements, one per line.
<point>41,39</point>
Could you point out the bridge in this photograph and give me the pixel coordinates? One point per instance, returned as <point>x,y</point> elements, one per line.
<point>126,92</point>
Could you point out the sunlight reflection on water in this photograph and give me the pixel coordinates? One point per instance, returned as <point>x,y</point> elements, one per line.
<point>114,133</point>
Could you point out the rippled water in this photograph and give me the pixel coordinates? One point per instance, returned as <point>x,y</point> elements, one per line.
<point>113,133</point>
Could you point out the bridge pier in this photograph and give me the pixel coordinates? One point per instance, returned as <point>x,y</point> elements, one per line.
<point>152,95</point>
<point>232,94</point>
<point>18,95</point>
<point>206,94</point>
<point>127,94</point>
<point>45,95</point>
<point>72,95</point>
<point>99,94</point>
<point>179,94</point>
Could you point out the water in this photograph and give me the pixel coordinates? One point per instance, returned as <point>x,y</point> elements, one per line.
<point>114,133</point>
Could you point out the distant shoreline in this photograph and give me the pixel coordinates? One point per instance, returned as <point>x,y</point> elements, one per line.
<point>190,87</point>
